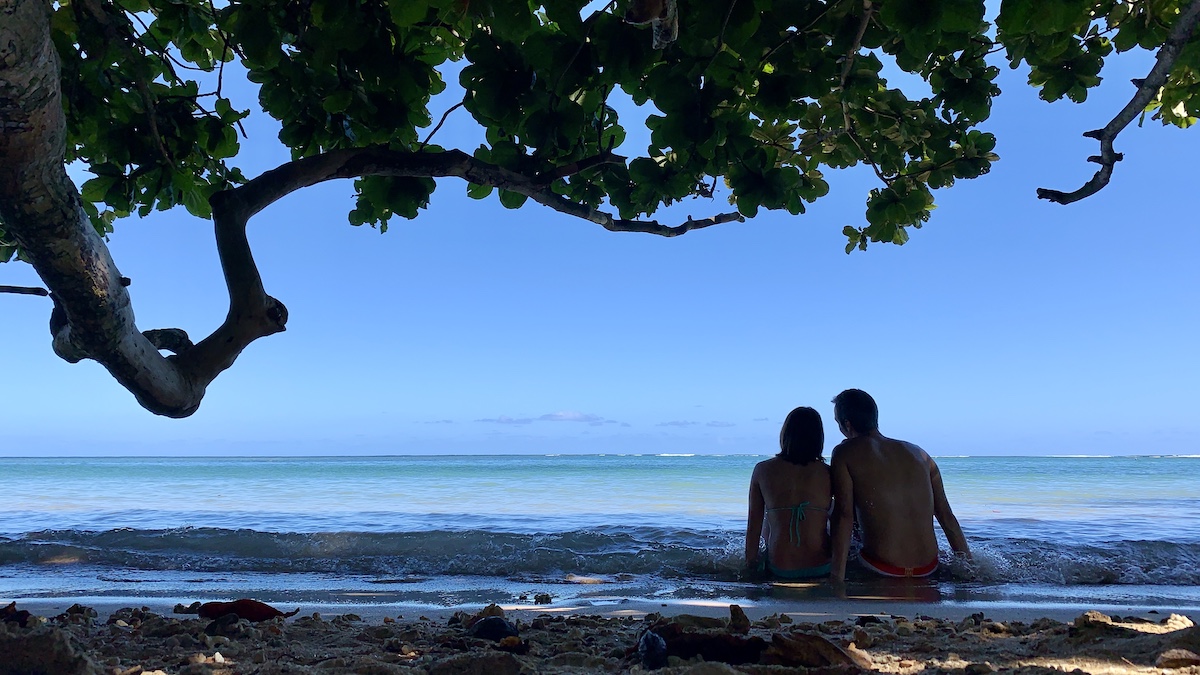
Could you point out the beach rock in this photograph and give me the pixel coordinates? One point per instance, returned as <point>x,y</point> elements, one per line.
<point>587,662</point>
<point>245,608</point>
<point>11,614</point>
<point>685,621</point>
<point>705,668</point>
<point>193,608</point>
<point>738,621</point>
<point>491,610</point>
<point>973,621</point>
<point>157,626</point>
<point>862,638</point>
<point>542,599</point>
<point>860,657</point>
<point>652,650</point>
<point>230,626</point>
<point>979,669</point>
<point>1177,658</point>
<point>805,650</point>
<point>77,613</point>
<point>867,619</point>
<point>1092,618</point>
<point>494,628</point>
<point>1177,622</point>
<point>485,663</point>
<point>513,644</point>
<point>710,645</point>
<point>904,628</point>
<point>45,650</point>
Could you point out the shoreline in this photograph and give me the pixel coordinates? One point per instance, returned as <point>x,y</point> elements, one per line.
<point>828,609</point>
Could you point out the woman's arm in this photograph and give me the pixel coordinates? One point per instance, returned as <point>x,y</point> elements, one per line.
<point>754,520</point>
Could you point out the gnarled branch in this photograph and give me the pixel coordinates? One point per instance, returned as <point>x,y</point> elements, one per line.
<point>92,317</point>
<point>244,201</point>
<point>1147,89</point>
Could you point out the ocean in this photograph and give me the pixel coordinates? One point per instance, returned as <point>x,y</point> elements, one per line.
<point>595,530</point>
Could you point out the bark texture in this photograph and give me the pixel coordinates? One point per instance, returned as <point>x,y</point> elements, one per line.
<point>41,210</point>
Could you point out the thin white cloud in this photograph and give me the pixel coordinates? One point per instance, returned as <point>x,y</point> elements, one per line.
<point>570,416</point>
<point>720,424</point>
<point>560,416</point>
<point>505,419</point>
<point>762,419</point>
<point>677,423</point>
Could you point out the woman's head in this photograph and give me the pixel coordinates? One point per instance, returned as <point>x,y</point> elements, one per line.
<point>802,437</point>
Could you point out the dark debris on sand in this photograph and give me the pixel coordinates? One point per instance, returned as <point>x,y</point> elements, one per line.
<point>139,642</point>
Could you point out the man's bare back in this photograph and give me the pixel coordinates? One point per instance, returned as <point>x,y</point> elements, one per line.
<point>894,489</point>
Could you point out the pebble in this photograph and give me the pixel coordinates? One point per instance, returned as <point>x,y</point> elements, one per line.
<point>861,658</point>
<point>738,621</point>
<point>979,668</point>
<point>544,599</point>
<point>862,638</point>
<point>1091,618</point>
<point>904,628</point>
<point>494,628</point>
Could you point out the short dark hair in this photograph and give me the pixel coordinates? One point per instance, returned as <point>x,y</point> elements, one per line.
<point>802,437</point>
<point>856,408</point>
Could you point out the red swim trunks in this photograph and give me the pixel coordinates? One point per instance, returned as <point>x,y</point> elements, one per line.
<point>889,570</point>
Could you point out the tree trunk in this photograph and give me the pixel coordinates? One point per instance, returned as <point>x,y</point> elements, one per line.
<point>41,210</point>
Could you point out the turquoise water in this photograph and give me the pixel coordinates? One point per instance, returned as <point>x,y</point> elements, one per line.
<point>441,530</point>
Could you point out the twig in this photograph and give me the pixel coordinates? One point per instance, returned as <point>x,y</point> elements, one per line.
<point>605,157</point>
<point>97,12</point>
<point>428,138</point>
<point>1147,89</point>
<point>794,35</point>
<point>590,21</point>
<point>868,10</point>
<point>720,37</point>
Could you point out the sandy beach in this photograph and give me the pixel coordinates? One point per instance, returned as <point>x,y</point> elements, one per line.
<point>701,637</point>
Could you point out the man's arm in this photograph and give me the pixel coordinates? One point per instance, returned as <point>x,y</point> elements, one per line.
<point>754,520</point>
<point>943,513</point>
<point>843,514</point>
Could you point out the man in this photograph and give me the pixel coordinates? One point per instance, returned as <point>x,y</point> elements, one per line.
<point>895,490</point>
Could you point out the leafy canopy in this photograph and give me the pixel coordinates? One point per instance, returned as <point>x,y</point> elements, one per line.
<point>762,94</point>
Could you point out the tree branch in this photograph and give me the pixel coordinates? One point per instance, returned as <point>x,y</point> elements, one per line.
<point>257,194</point>
<point>1147,89</point>
<point>25,290</point>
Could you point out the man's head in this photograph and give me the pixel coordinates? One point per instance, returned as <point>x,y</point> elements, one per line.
<point>855,411</point>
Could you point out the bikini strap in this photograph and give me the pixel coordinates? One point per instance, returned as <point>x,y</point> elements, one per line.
<point>797,516</point>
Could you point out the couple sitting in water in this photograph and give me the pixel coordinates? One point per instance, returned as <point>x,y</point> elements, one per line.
<point>806,509</point>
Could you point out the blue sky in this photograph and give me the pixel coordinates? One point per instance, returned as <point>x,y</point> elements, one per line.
<point>1007,325</point>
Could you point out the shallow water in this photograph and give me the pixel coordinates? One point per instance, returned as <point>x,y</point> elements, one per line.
<point>445,531</point>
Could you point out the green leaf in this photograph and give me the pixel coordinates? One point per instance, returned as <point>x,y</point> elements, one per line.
<point>475,191</point>
<point>407,12</point>
<point>512,200</point>
<point>338,101</point>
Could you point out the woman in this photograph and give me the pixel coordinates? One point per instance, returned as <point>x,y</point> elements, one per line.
<point>792,493</point>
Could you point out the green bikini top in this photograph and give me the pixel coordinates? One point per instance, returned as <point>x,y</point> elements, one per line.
<point>797,516</point>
